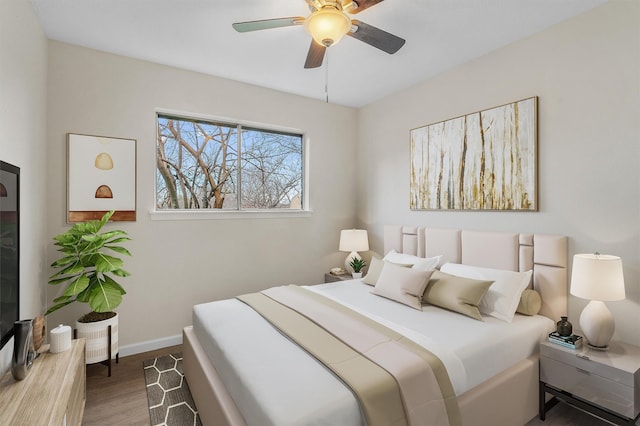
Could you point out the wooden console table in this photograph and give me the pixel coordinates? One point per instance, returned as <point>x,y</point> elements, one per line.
<point>54,391</point>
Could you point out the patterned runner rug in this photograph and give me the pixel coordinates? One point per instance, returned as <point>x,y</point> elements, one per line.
<point>168,395</point>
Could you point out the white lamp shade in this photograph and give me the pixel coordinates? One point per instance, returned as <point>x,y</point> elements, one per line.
<point>354,240</point>
<point>597,277</point>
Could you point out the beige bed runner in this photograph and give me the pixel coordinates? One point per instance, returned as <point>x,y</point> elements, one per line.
<point>395,380</point>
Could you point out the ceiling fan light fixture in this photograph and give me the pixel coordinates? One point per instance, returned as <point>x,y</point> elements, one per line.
<point>327,25</point>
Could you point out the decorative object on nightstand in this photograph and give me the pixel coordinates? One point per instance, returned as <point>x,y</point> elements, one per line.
<point>598,278</point>
<point>564,327</point>
<point>353,241</point>
<point>572,341</point>
<point>357,263</point>
<point>338,271</point>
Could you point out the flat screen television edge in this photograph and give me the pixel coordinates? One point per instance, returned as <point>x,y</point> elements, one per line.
<point>9,250</point>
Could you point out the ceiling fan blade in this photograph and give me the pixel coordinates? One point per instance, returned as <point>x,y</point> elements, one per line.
<point>265,24</point>
<point>315,56</point>
<point>364,4</point>
<point>376,37</point>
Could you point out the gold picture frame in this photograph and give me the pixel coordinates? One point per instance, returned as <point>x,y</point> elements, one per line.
<point>486,160</point>
<point>101,176</point>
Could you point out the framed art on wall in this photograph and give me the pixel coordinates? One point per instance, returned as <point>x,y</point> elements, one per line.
<point>486,160</point>
<point>101,176</point>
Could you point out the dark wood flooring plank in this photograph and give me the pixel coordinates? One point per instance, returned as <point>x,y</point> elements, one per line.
<point>122,398</point>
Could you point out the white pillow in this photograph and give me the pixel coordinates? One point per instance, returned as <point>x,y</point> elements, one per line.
<point>501,301</point>
<point>427,263</point>
<point>420,263</point>
<point>400,258</point>
<point>404,285</point>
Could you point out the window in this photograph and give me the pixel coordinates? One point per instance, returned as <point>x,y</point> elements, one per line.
<point>203,164</point>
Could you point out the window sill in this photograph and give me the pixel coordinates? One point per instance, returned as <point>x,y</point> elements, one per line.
<point>227,215</point>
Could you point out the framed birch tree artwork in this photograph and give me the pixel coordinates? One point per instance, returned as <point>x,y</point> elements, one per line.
<point>101,176</point>
<point>481,161</point>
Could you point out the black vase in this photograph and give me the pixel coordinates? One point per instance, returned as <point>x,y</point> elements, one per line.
<point>23,349</point>
<point>564,327</point>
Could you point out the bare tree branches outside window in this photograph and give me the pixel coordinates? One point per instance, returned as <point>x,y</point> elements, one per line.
<point>205,165</point>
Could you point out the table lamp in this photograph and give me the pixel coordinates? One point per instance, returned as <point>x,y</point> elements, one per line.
<point>353,241</point>
<point>598,278</point>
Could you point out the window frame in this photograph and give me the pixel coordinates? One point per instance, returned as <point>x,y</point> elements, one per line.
<point>239,212</point>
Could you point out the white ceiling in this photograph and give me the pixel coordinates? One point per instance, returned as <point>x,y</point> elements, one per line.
<point>197,35</point>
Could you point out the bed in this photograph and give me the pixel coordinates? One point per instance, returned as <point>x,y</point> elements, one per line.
<point>252,386</point>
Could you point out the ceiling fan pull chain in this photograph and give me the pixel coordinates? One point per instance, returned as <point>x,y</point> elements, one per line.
<point>326,77</point>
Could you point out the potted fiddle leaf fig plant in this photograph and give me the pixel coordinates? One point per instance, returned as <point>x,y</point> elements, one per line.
<point>88,267</point>
<point>357,263</point>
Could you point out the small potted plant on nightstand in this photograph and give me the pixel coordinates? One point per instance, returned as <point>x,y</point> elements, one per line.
<point>87,266</point>
<point>357,263</point>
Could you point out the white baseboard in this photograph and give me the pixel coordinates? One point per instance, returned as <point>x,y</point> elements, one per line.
<point>150,345</point>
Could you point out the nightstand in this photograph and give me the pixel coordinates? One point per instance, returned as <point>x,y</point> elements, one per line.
<point>604,383</point>
<point>330,278</point>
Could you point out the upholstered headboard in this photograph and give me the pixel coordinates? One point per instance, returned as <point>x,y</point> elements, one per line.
<point>546,255</point>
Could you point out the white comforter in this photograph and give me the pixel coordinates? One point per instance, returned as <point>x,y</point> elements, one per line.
<point>272,381</point>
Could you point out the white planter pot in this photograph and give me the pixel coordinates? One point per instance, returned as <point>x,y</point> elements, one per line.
<point>356,275</point>
<point>96,337</point>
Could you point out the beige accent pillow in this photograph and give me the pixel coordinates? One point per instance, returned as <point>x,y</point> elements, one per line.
<point>501,301</point>
<point>458,294</point>
<point>404,285</point>
<point>530,302</point>
<point>373,273</point>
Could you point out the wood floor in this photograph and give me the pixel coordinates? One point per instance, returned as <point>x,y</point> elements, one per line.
<point>122,398</point>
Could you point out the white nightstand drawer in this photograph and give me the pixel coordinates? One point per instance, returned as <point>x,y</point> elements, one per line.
<point>589,386</point>
<point>613,365</point>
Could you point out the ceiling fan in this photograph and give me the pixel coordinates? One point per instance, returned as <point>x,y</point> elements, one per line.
<point>327,24</point>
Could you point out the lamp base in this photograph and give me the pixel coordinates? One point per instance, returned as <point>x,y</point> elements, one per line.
<point>598,348</point>
<point>597,325</point>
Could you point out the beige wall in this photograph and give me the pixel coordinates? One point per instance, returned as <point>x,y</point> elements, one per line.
<point>23,60</point>
<point>177,264</point>
<point>586,74</point>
